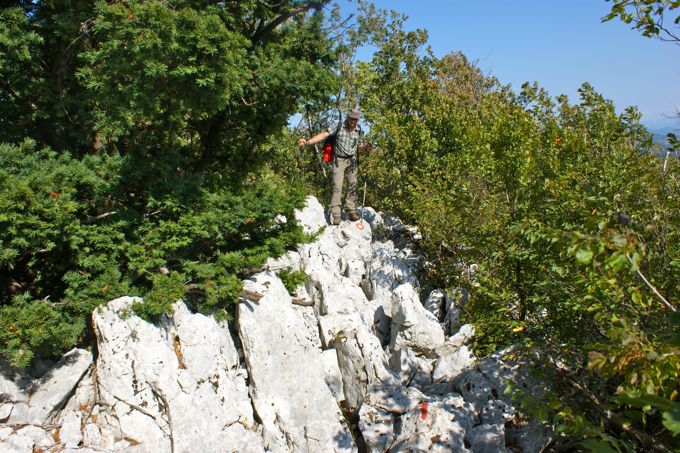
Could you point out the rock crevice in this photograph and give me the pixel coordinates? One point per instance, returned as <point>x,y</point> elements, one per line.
<point>353,362</point>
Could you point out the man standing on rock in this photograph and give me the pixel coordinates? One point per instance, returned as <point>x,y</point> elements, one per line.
<point>347,137</point>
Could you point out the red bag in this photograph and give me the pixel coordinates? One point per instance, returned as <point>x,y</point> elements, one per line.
<point>328,153</point>
<point>329,144</point>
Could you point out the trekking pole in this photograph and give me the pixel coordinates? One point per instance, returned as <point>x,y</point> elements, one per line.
<point>316,148</point>
<point>363,205</point>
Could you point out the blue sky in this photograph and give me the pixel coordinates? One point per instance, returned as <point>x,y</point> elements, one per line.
<point>558,43</point>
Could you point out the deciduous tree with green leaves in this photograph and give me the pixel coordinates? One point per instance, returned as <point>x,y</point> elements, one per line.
<point>652,18</point>
<point>569,218</point>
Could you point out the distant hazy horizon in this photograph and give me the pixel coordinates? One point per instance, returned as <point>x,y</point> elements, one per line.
<point>662,124</point>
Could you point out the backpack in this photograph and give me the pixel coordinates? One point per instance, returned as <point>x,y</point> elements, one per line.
<point>329,144</point>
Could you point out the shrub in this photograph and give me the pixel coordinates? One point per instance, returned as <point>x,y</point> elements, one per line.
<point>292,279</point>
<point>570,218</point>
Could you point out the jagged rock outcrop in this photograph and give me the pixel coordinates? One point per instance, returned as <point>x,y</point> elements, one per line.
<point>175,385</point>
<point>353,361</point>
<point>287,374</point>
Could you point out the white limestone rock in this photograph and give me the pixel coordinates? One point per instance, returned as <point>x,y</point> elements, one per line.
<point>435,303</point>
<point>381,322</point>
<point>412,326</point>
<point>454,342</point>
<point>377,428</point>
<point>13,383</point>
<point>180,385</point>
<point>430,427</point>
<point>84,395</point>
<point>56,385</point>
<point>289,260</point>
<point>385,271</point>
<point>332,374</point>
<point>355,271</point>
<point>450,366</point>
<point>311,324</point>
<point>205,343</point>
<point>371,216</point>
<point>337,326</point>
<point>241,439</point>
<point>475,388</point>
<point>302,297</point>
<point>413,369</point>
<point>297,409</point>
<point>5,411</point>
<point>425,423</point>
<point>362,363</point>
<point>5,432</point>
<point>38,435</point>
<point>496,411</point>
<point>487,438</point>
<point>122,445</point>
<point>395,399</point>
<point>93,437</point>
<point>175,385</point>
<point>108,427</point>
<point>70,434</point>
<point>342,297</point>
<point>19,414</point>
<point>16,444</point>
<point>311,218</point>
<point>321,260</point>
<point>326,260</point>
<point>354,239</point>
<point>393,223</point>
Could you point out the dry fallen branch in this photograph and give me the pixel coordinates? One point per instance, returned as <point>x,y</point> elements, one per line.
<point>252,295</point>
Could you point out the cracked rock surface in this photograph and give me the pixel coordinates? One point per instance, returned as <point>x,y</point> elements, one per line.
<point>357,360</point>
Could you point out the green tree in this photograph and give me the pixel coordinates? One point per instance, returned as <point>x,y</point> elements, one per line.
<point>652,18</point>
<point>138,138</point>
<point>568,216</point>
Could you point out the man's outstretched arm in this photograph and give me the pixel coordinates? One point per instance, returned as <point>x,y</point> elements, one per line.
<point>316,139</point>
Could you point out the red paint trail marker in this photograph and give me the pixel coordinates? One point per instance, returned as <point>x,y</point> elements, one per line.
<point>360,226</point>
<point>423,410</point>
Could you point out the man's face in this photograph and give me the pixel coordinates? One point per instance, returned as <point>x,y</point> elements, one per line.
<point>352,122</point>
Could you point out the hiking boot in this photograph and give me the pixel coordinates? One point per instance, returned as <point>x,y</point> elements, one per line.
<point>336,219</point>
<point>353,217</point>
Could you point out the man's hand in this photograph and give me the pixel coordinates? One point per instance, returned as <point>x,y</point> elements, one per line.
<point>367,146</point>
<point>314,140</point>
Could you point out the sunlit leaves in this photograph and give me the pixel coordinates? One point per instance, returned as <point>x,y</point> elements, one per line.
<point>653,18</point>
<point>146,175</point>
<point>562,207</point>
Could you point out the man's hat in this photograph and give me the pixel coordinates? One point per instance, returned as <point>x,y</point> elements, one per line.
<point>354,114</point>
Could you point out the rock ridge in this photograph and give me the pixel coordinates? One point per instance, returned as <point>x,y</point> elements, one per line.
<point>353,361</point>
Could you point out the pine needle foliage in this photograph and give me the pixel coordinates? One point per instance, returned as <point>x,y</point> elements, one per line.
<point>292,279</point>
<point>135,140</point>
